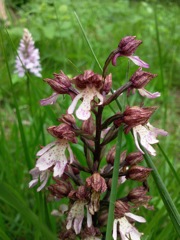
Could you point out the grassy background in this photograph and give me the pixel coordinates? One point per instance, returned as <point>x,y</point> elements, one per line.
<point>24,214</point>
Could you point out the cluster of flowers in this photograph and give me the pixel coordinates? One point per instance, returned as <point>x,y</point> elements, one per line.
<point>28,59</point>
<point>87,211</point>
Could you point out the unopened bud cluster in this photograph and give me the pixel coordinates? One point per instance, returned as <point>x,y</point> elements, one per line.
<point>88,185</point>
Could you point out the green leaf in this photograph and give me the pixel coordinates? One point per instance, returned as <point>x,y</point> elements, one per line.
<point>170,207</point>
<point>114,186</point>
<point>11,197</point>
<point>3,235</point>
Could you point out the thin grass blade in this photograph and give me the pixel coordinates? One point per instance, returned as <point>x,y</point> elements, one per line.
<point>170,207</point>
<point>10,196</point>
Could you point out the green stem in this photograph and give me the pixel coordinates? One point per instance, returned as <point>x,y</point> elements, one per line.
<point>87,40</point>
<point>114,186</point>
<point>21,129</point>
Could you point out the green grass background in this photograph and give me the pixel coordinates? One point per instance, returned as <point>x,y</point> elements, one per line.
<point>25,214</point>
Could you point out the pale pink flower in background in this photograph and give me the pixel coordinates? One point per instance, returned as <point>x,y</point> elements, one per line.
<point>54,155</point>
<point>28,59</point>
<point>76,216</point>
<point>126,229</point>
<point>147,135</point>
<point>37,176</point>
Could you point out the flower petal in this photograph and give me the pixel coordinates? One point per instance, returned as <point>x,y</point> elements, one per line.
<point>114,59</point>
<point>74,103</point>
<point>70,154</point>
<point>45,149</point>
<point>59,167</point>
<point>138,61</point>
<point>89,218</point>
<point>135,217</point>
<point>143,92</point>
<point>115,229</point>
<point>43,178</point>
<point>33,183</point>
<point>50,100</point>
<point>136,140</point>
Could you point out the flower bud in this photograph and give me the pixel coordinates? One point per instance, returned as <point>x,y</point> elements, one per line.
<point>88,78</point>
<point>138,173</point>
<point>103,216</point>
<point>88,126</point>
<point>97,183</point>
<point>63,131</point>
<point>111,155</point>
<point>68,119</point>
<point>134,116</point>
<point>67,235</point>
<point>60,189</point>
<point>133,158</point>
<point>121,208</point>
<point>138,196</point>
<point>60,83</point>
<point>107,84</point>
<point>128,45</point>
<point>90,233</point>
<point>140,78</point>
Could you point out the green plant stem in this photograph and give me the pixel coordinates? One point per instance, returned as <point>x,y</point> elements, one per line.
<point>87,40</point>
<point>21,129</point>
<point>97,152</point>
<point>170,207</point>
<point>114,185</point>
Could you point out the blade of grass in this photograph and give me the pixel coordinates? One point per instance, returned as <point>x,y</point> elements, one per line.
<point>114,186</point>
<point>10,196</point>
<point>21,129</point>
<point>163,88</point>
<point>93,53</point>
<point>87,40</point>
<point>169,163</point>
<point>170,207</point>
<point>3,235</point>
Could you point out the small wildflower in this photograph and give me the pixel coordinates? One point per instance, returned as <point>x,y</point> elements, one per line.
<point>89,85</point>
<point>76,216</point>
<point>138,173</point>
<point>140,79</point>
<point>126,229</point>
<point>54,155</point>
<point>38,175</point>
<point>134,116</point>
<point>147,135</point>
<point>28,56</point>
<point>138,197</point>
<point>133,158</point>
<point>60,84</point>
<point>126,48</point>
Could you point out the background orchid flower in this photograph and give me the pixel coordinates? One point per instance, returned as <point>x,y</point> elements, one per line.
<point>28,58</point>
